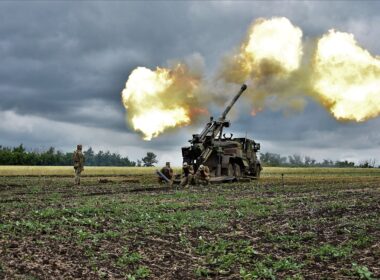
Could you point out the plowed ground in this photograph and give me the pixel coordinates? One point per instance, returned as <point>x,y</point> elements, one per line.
<point>315,225</point>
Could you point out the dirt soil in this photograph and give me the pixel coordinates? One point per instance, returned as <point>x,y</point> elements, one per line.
<point>312,227</point>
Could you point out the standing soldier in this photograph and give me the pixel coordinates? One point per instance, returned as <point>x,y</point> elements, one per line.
<point>187,175</point>
<point>203,175</point>
<point>78,159</point>
<point>168,172</point>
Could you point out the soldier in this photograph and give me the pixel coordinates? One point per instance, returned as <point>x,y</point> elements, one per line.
<point>187,175</point>
<point>78,159</point>
<point>168,172</point>
<point>203,175</point>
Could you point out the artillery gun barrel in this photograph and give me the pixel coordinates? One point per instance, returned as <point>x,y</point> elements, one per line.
<point>243,88</point>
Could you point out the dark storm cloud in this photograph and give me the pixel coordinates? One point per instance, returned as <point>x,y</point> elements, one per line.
<point>64,64</point>
<point>58,57</point>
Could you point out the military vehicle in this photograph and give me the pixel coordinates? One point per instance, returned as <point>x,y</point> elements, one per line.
<point>225,156</point>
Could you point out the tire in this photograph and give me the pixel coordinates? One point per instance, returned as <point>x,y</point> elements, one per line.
<point>258,171</point>
<point>237,170</point>
<point>230,170</point>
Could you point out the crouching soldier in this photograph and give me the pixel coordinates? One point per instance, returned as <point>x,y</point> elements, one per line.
<point>202,176</point>
<point>168,172</point>
<point>78,160</point>
<point>187,175</point>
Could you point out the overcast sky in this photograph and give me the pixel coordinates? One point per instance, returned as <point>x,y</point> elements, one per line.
<point>64,64</point>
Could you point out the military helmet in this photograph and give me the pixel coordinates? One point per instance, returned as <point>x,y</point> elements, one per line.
<point>167,163</point>
<point>79,147</point>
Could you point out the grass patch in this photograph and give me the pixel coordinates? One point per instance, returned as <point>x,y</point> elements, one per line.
<point>320,223</point>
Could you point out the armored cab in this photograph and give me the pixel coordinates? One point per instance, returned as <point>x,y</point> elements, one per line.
<point>225,156</point>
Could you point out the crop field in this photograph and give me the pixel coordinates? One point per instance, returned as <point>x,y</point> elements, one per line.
<point>310,223</point>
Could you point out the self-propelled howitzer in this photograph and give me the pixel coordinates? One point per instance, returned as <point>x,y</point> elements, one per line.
<point>225,156</point>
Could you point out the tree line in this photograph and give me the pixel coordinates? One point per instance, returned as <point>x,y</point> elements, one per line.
<point>272,159</point>
<point>20,156</point>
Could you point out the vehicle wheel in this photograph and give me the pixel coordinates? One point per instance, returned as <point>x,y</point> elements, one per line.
<point>237,170</point>
<point>230,170</point>
<point>258,171</point>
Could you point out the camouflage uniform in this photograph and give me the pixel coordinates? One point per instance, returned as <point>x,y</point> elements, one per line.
<point>187,175</point>
<point>78,159</point>
<point>203,175</point>
<point>168,172</point>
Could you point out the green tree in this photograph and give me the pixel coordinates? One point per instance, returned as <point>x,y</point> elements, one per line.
<point>271,159</point>
<point>344,164</point>
<point>295,160</point>
<point>150,159</point>
<point>19,156</point>
<point>89,154</point>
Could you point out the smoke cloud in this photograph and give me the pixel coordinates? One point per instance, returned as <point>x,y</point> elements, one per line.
<point>282,71</point>
<point>346,77</point>
<point>161,99</point>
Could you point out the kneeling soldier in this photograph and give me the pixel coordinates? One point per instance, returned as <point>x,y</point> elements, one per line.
<point>187,175</point>
<point>203,175</point>
<point>168,172</point>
